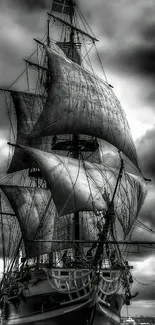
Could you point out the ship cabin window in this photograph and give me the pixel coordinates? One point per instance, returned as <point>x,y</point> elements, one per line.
<point>64,272</point>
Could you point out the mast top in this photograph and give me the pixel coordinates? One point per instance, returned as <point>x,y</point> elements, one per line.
<point>94,39</point>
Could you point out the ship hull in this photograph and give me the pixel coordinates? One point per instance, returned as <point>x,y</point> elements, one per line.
<point>64,298</point>
<point>81,314</point>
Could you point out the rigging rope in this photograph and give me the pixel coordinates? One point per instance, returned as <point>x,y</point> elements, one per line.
<point>25,68</point>
<point>86,24</point>
<point>143,226</point>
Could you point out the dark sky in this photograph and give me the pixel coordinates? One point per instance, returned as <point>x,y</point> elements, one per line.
<point>126,30</point>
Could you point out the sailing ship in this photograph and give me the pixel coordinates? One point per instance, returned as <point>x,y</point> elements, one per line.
<point>64,206</point>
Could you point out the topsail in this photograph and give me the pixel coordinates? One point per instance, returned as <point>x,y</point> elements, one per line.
<point>81,103</point>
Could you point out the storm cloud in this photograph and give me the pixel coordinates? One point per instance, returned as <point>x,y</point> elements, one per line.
<point>28,5</point>
<point>146,151</point>
<point>127,29</point>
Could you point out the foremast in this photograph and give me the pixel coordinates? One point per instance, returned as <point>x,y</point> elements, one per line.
<point>75,143</point>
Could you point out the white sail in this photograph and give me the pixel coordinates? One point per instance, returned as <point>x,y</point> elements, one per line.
<point>81,186</point>
<point>81,103</point>
<point>28,108</point>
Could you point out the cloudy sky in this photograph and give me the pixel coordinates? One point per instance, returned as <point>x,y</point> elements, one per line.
<point>126,30</point>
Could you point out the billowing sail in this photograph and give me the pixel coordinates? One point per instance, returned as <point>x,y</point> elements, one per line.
<point>81,186</point>
<point>34,209</point>
<point>81,103</point>
<point>69,181</point>
<point>28,107</point>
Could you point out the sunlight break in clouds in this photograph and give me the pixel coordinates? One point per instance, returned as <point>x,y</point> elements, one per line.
<point>4,149</point>
<point>140,308</point>
<point>1,267</point>
<point>4,154</point>
<point>145,267</point>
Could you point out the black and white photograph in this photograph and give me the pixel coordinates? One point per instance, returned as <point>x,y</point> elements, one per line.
<point>77,162</point>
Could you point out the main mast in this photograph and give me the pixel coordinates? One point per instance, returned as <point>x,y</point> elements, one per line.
<point>75,138</point>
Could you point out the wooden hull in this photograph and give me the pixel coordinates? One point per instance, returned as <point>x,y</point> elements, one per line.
<point>49,302</point>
